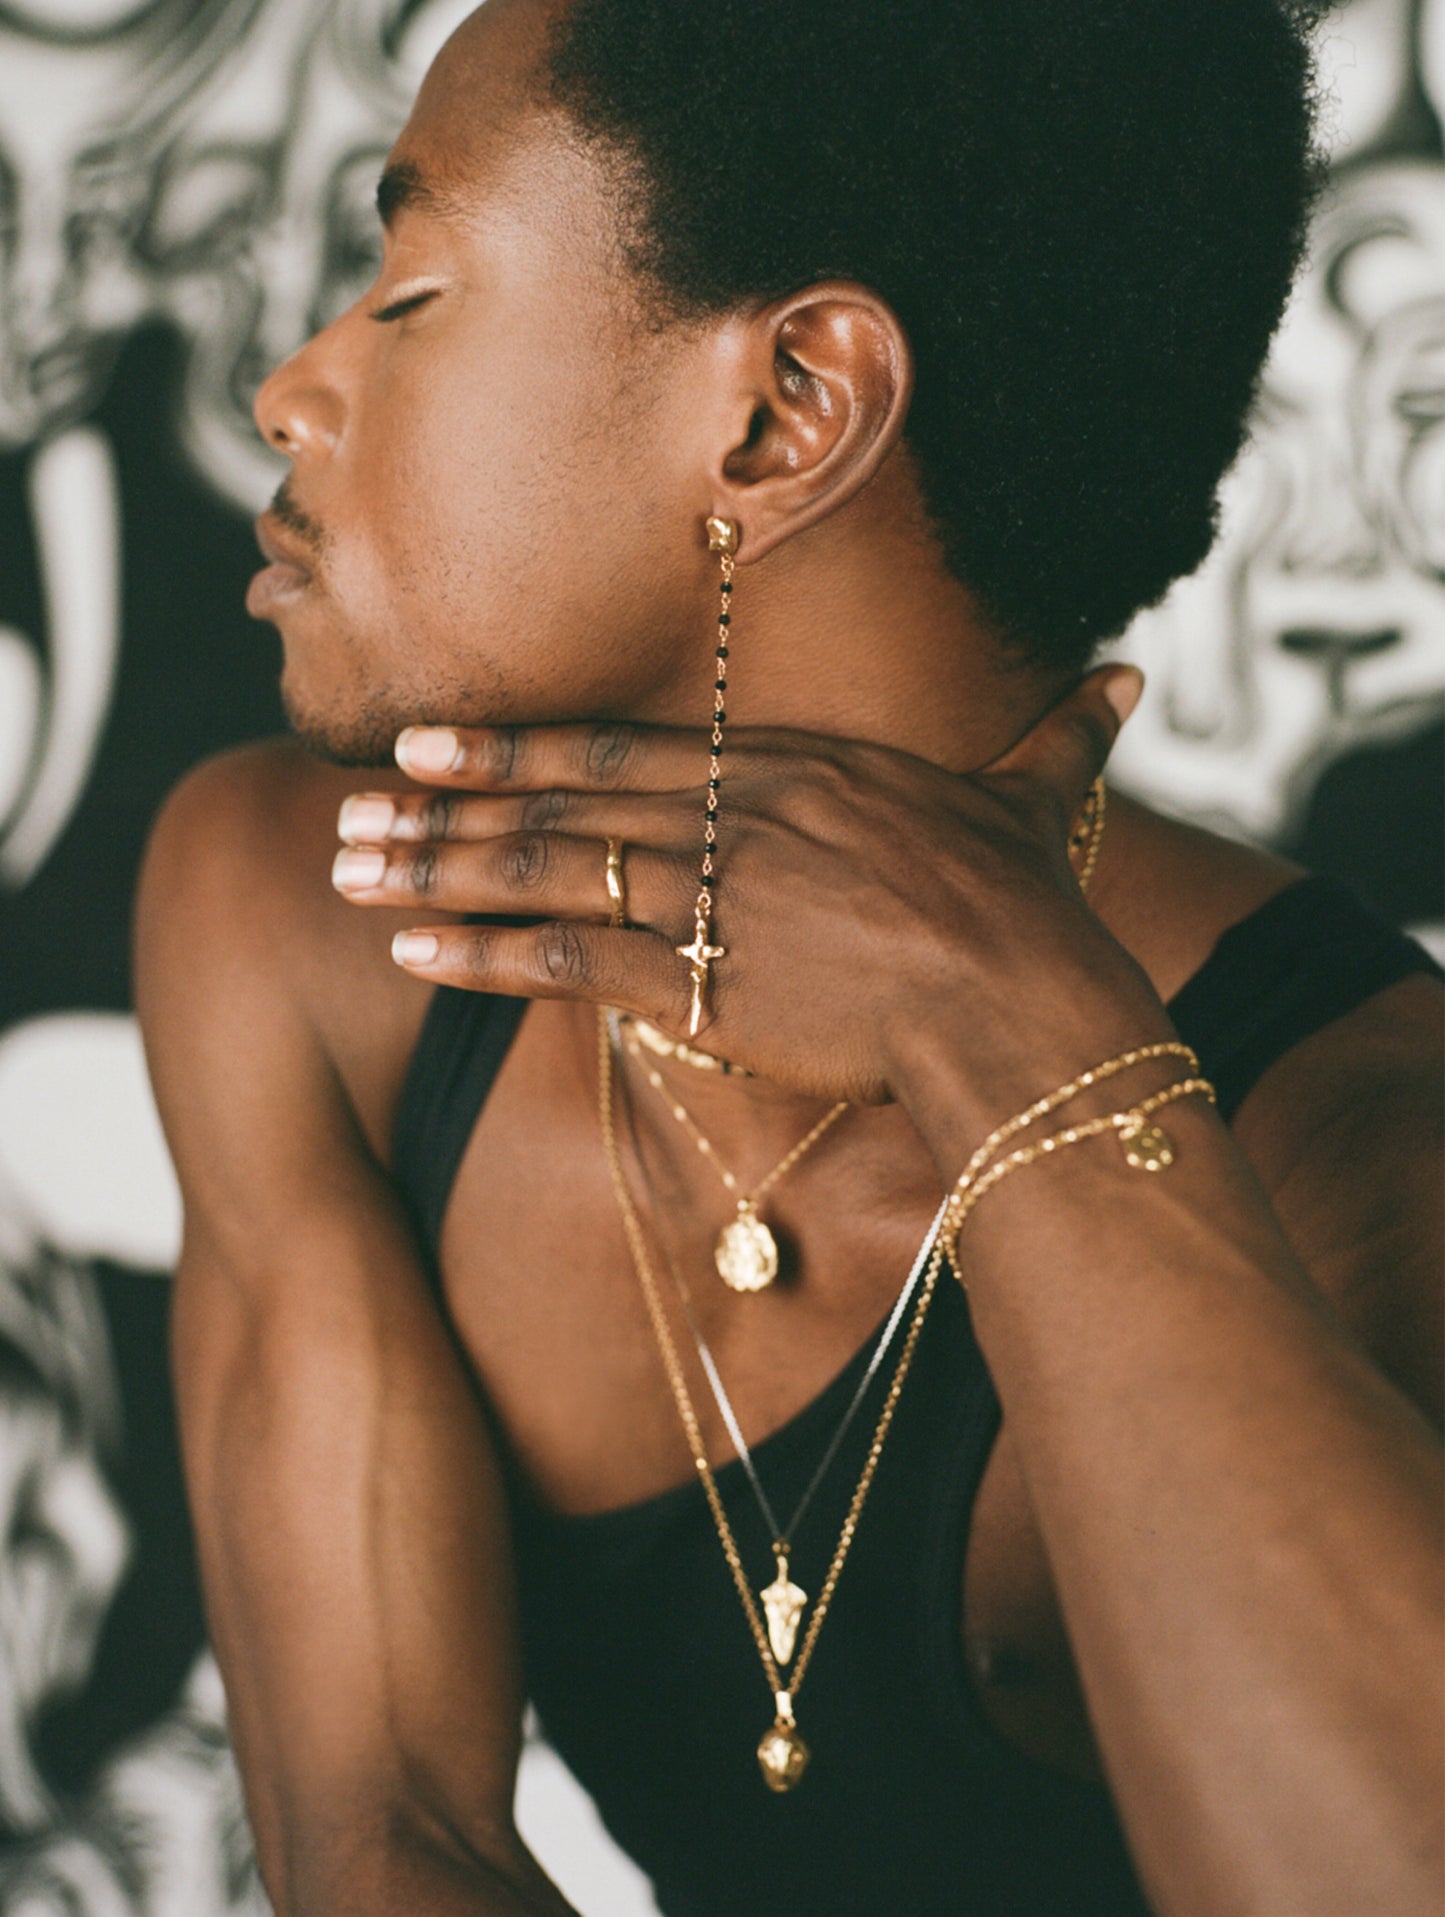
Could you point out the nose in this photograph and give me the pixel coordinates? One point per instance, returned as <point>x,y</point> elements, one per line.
<point>298,408</point>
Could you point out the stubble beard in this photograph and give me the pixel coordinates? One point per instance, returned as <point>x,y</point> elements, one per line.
<point>347,735</point>
<point>358,726</point>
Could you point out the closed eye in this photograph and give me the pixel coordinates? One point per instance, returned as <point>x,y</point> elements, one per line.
<point>409,304</point>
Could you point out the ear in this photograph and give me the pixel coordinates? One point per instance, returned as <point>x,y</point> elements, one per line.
<point>824,378</point>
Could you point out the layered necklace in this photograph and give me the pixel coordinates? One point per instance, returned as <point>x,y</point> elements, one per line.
<point>782,1754</point>
<point>747,1249</point>
<point>783,1601</point>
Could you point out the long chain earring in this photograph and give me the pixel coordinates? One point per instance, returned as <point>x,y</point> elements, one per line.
<point>722,538</point>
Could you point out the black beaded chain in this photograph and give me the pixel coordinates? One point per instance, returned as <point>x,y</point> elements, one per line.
<point>722,539</point>
<point>708,877</point>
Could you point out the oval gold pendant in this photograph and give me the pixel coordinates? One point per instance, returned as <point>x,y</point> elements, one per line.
<point>782,1756</point>
<point>747,1252</point>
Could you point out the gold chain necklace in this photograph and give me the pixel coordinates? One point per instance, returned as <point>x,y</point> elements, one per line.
<point>1088,834</point>
<point>678,1048</point>
<point>783,1601</point>
<point>746,1253</point>
<point>782,1754</point>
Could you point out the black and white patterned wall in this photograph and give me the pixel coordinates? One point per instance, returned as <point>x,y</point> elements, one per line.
<point>186,192</point>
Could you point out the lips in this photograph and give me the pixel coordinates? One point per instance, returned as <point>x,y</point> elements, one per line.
<point>286,576</point>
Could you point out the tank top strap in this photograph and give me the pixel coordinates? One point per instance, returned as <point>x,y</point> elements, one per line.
<point>1303,959</point>
<point>464,1038</point>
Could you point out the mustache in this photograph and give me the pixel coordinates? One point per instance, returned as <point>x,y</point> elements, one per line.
<point>296,519</point>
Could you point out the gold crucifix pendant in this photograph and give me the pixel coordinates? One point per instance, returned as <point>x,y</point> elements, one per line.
<point>699,956</point>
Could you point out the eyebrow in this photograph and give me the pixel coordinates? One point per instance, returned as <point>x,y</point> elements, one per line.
<point>403,184</point>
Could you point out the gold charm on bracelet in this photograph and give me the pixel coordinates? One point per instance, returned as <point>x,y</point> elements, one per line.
<point>1146,1147</point>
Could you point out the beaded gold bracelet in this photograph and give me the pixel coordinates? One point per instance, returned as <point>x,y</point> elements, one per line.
<point>1146,1147</point>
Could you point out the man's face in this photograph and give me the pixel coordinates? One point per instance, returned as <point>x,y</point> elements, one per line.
<point>497,467</point>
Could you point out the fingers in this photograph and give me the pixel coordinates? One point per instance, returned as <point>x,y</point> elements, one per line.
<point>527,874</point>
<point>414,818</point>
<point>1069,746</point>
<point>607,756</point>
<point>635,971</point>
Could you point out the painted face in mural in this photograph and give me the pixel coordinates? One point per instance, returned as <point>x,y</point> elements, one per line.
<point>490,450</point>
<point>264,223</point>
<point>1315,627</point>
<point>65,1540</point>
<point>81,133</point>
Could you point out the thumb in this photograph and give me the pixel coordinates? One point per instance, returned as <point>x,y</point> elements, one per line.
<point>1068,747</point>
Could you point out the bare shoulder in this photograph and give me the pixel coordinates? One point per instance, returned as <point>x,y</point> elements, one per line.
<point>1169,890</point>
<point>349,1509</point>
<point>1347,1133</point>
<point>247,961</point>
<point>1347,1129</point>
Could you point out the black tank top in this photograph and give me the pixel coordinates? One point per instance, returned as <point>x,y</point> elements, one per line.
<point>637,1655</point>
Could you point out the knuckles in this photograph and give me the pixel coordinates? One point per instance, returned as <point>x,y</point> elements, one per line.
<point>492,755</point>
<point>815,798</point>
<point>608,749</point>
<point>423,871</point>
<point>525,858</point>
<point>540,810</point>
<point>562,954</point>
<point>439,816</point>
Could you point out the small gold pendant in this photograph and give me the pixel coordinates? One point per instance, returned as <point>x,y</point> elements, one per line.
<point>1147,1148</point>
<point>747,1252</point>
<point>782,1754</point>
<point>783,1602</point>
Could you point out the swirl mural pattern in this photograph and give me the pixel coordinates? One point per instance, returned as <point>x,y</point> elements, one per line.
<point>186,192</point>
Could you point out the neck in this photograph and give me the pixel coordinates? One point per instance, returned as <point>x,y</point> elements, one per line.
<point>855,629</point>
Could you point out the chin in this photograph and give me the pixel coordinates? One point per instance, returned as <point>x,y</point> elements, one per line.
<point>345,735</point>
<point>349,720</point>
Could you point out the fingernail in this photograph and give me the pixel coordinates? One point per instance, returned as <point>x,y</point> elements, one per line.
<point>357,871</point>
<point>427,749</point>
<point>1123,692</point>
<point>366,819</point>
<point>415,948</point>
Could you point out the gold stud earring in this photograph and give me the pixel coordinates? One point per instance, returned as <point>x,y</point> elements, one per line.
<point>722,538</point>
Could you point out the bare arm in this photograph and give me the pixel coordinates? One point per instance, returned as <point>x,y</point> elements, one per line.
<point>1240,1504</point>
<point>1242,1512</point>
<point>348,1504</point>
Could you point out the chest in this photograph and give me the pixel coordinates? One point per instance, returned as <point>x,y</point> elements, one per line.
<point>545,1295</point>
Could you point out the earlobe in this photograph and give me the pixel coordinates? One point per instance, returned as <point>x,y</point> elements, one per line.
<point>832,374</point>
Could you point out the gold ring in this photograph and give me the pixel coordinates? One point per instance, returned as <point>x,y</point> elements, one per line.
<point>614,883</point>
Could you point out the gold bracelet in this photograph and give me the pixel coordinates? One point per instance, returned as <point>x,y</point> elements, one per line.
<point>1146,1147</point>
<point>1041,1107</point>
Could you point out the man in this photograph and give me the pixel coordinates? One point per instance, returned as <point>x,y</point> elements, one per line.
<point>955,317</point>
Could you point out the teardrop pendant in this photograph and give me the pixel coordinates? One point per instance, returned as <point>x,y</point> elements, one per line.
<point>747,1252</point>
<point>783,1603</point>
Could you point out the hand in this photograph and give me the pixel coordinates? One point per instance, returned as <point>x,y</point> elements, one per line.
<point>874,908</point>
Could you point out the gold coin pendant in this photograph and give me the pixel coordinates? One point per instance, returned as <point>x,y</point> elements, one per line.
<point>747,1252</point>
<point>1148,1148</point>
